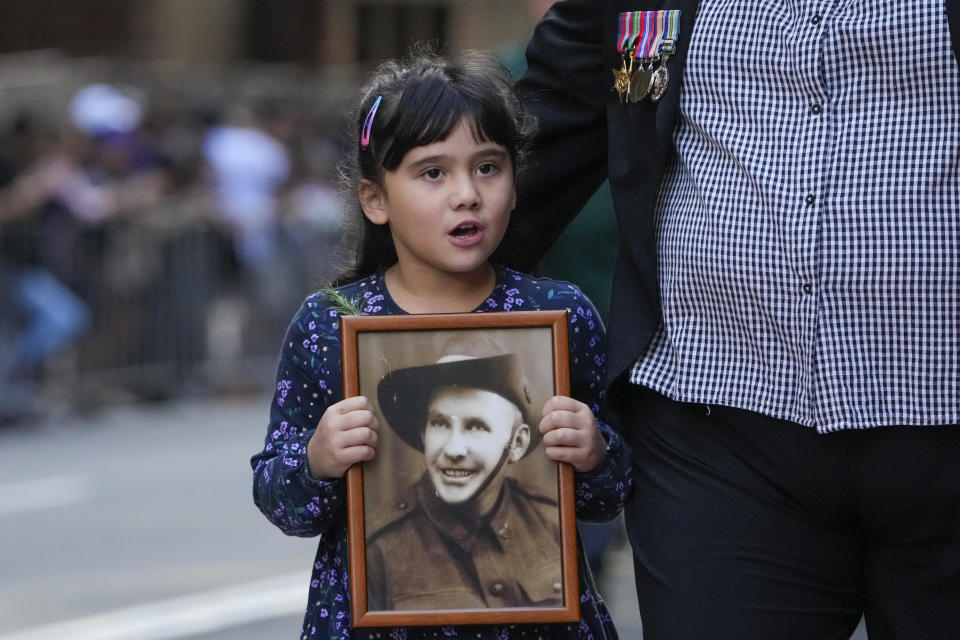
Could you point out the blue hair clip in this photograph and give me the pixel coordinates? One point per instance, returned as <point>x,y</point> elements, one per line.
<point>368,124</point>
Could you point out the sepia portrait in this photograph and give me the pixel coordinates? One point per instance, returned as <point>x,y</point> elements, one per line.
<point>460,518</point>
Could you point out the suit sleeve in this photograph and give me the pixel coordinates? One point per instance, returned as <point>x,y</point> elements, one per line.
<point>308,381</point>
<point>564,88</point>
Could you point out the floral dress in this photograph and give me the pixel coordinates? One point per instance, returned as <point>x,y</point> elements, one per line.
<point>309,380</point>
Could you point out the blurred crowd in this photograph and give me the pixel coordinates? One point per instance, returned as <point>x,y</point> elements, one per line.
<point>154,241</point>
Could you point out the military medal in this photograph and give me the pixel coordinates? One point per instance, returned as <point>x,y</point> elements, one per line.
<point>621,77</point>
<point>658,83</point>
<point>649,37</point>
<point>640,84</point>
<point>666,48</point>
<point>661,77</point>
<point>621,83</point>
<point>625,82</point>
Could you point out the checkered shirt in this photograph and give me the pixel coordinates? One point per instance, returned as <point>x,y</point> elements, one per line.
<point>808,225</point>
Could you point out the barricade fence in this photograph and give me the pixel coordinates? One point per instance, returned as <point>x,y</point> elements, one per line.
<point>172,311</point>
<point>153,297</point>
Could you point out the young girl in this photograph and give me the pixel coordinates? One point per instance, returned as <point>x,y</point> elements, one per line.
<point>438,146</point>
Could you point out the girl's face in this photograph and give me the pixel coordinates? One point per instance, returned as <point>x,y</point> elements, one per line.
<point>447,204</point>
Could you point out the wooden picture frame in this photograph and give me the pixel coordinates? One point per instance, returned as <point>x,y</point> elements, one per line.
<point>409,541</point>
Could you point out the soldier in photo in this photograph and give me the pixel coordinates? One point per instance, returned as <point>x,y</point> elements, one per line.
<point>466,535</point>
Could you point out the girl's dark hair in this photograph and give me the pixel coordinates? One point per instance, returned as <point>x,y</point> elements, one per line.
<point>422,99</point>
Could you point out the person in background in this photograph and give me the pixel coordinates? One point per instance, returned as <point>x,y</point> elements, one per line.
<point>39,314</point>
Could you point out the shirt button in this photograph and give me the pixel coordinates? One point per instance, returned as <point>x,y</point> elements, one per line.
<point>810,199</point>
<point>816,19</point>
<point>816,109</point>
<point>401,505</point>
<point>503,531</point>
<point>807,289</point>
<point>496,588</point>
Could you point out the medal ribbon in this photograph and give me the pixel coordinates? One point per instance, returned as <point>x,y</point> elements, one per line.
<point>645,30</point>
<point>628,29</point>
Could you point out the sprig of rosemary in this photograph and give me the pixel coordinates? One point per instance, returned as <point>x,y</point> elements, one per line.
<point>340,303</point>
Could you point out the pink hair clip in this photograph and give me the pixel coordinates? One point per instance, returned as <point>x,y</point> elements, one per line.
<point>368,124</point>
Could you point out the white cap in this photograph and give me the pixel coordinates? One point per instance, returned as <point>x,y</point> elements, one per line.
<point>100,108</point>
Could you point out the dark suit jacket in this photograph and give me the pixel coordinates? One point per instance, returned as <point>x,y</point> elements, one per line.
<point>585,134</point>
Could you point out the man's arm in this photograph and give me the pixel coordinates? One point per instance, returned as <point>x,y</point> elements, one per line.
<point>564,87</point>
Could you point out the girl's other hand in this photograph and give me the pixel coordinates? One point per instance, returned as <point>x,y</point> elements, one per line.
<point>346,435</point>
<point>571,435</point>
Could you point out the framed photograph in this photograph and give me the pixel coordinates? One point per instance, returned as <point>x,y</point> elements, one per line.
<point>460,518</point>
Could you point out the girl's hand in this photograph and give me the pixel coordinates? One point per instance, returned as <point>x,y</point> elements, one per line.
<point>571,435</point>
<point>346,435</point>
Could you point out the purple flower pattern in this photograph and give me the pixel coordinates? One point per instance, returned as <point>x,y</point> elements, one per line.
<point>309,379</point>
